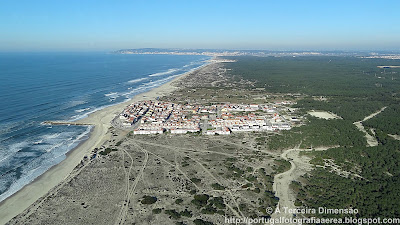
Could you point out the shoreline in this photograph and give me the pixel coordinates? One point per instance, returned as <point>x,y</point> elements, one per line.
<point>101,122</point>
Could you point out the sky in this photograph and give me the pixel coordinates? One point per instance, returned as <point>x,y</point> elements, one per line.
<point>100,25</point>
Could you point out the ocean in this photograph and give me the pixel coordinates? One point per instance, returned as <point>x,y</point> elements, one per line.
<point>35,87</point>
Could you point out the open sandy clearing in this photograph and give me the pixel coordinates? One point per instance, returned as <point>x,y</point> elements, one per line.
<point>324,115</point>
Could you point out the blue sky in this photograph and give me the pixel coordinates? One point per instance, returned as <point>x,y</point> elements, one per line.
<point>278,25</point>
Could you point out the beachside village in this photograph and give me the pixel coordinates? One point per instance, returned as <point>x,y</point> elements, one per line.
<point>157,117</point>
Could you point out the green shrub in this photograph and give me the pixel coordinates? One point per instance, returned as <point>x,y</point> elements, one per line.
<point>107,151</point>
<point>195,180</point>
<point>209,210</point>
<point>178,201</point>
<point>173,213</point>
<point>218,202</point>
<point>217,186</point>
<point>186,213</point>
<point>157,211</point>
<point>200,200</point>
<point>148,200</point>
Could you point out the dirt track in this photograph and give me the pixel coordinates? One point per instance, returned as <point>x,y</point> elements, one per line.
<point>299,166</point>
<point>371,140</point>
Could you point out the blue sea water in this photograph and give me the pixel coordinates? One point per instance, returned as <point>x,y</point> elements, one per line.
<point>35,87</point>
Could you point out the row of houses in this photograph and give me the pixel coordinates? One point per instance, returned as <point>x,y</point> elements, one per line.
<point>239,108</point>
<point>155,117</point>
<point>173,127</point>
<point>251,125</point>
<point>269,108</point>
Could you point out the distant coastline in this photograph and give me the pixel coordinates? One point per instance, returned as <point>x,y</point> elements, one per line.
<point>261,53</point>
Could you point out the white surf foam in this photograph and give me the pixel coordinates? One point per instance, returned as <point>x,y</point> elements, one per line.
<point>137,80</point>
<point>54,155</point>
<point>50,136</point>
<point>29,173</point>
<point>38,142</point>
<point>142,88</point>
<point>78,117</point>
<point>164,73</point>
<point>82,110</point>
<point>12,149</point>
<point>147,86</point>
<point>111,94</point>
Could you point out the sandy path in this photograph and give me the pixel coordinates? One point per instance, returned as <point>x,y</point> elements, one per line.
<point>299,166</point>
<point>396,137</point>
<point>374,114</point>
<point>101,120</point>
<point>371,140</point>
<point>127,176</point>
<point>124,210</point>
<point>282,189</point>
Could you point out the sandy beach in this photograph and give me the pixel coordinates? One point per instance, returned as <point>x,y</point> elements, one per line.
<point>101,120</point>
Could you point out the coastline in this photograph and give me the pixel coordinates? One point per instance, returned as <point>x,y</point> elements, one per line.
<point>101,121</point>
